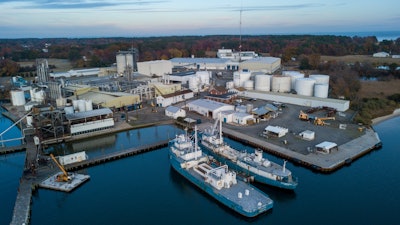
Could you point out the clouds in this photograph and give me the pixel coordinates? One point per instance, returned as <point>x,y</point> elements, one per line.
<point>32,18</point>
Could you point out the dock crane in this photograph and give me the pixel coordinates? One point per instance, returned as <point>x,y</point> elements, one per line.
<point>64,176</point>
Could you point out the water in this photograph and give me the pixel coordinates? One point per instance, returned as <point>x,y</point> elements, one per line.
<point>144,189</point>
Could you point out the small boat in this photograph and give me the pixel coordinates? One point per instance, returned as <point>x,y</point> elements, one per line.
<point>187,158</point>
<point>252,164</point>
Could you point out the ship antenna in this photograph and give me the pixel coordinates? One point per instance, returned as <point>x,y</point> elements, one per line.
<point>284,165</point>
<point>195,142</point>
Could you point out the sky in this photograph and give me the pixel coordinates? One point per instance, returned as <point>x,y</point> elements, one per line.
<point>143,18</point>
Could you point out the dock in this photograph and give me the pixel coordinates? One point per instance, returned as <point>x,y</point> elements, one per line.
<point>346,153</point>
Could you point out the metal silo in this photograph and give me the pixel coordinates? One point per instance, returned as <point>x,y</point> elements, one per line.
<point>305,86</point>
<point>281,83</point>
<point>262,83</point>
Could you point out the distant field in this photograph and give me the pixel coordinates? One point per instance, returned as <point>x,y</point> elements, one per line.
<point>379,89</point>
<point>359,58</point>
<point>61,64</point>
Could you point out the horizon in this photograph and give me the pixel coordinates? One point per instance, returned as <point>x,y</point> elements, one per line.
<point>160,18</point>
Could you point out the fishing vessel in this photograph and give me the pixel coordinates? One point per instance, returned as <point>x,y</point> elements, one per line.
<point>252,164</point>
<point>187,158</point>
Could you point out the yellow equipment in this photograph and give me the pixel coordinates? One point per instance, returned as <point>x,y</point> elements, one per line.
<point>303,115</point>
<point>64,177</point>
<point>320,121</point>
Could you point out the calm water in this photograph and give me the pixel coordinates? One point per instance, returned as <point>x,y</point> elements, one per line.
<point>143,189</point>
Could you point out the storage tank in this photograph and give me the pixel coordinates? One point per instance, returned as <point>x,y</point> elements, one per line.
<point>294,75</point>
<point>17,97</point>
<point>320,78</point>
<point>194,83</point>
<point>88,105</point>
<point>248,85</point>
<point>281,83</point>
<point>81,106</point>
<point>304,86</point>
<point>69,110</point>
<point>229,85</point>
<point>321,90</point>
<point>204,77</point>
<point>40,96</point>
<point>239,77</point>
<point>262,82</point>
<point>75,104</point>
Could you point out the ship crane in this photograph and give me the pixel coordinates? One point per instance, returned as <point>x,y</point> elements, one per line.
<point>64,176</point>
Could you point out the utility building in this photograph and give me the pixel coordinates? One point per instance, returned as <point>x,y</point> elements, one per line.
<point>157,67</point>
<point>264,64</point>
<point>209,108</point>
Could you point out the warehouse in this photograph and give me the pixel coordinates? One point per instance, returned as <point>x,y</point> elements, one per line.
<point>117,100</point>
<point>204,63</point>
<point>90,121</point>
<point>209,108</point>
<point>157,67</point>
<point>170,99</point>
<point>326,147</point>
<point>174,112</point>
<point>264,64</point>
<point>339,105</point>
<point>242,118</point>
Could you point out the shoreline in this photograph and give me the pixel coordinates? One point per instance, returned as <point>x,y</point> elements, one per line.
<point>378,120</point>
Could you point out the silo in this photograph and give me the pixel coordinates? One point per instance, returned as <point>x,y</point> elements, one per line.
<point>305,86</point>
<point>320,78</point>
<point>281,83</point>
<point>88,105</point>
<point>262,83</point>
<point>75,104</point>
<point>248,85</point>
<point>81,105</point>
<point>194,83</point>
<point>321,90</point>
<point>294,75</point>
<point>240,77</point>
<point>17,97</point>
<point>229,85</point>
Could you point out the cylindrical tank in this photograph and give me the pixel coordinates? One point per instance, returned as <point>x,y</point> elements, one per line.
<point>81,106</point>
<point>204,77</point>
<point>321,90</point>
<point>194,83</point>
<point>69,109</point>
<point>320,78</point>
<point>29,120</point>
<point>17,97</point>
<point>40,95</point>
<point>88,105</point>
<point>229,85</point>
<point>239,77</point>
<point>281,83</point>
<point>304,86</point>
<point>294,75</point>
<point>262,83</point>
<point>248,85</point>
<point>249,108</point>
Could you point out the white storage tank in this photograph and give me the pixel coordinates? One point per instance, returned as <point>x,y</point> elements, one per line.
<point>248,85</point>
<point>204,77</point>
<point>81,105</point>
<point>194,83</point>
<point>321,90</point>
<point>320,78</point>
<point>281,83</point>
<point>294,75</point>
<point>17,97</point>
<point>304,86</point>
<point>88,105</point>
<point>239,77</point>
<point>229,85</point>
<point>262,83</point>
<point>75,104</point>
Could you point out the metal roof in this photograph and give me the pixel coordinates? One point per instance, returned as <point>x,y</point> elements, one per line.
<point>87,114</point>
<point>199,60</point>
<point>209,104</point>
<point>262,60</point>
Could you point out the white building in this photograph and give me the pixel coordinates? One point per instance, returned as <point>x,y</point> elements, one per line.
<point>264,64</point>
<point>174,112</point>
<point>381,55</point>
<point>326,147</point>
<point>157,67</point>
<point>307,135</point>
<point>204,63</point>
<point>242,118</point>
<point>170,99</point>
<point>209,108</point>
<point>276,131</point>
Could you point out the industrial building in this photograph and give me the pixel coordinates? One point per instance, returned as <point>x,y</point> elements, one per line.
<point>208,108</point>
<point>157,67</point>
<point>127,62</point>
<point>204,63</point>
<point>174,112</point>
<point>90,121</point>
<point>264,64</point>
<point>236,56</point>
<point>173,98</point>
<point>339,105</point>
<point>194,80</point>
